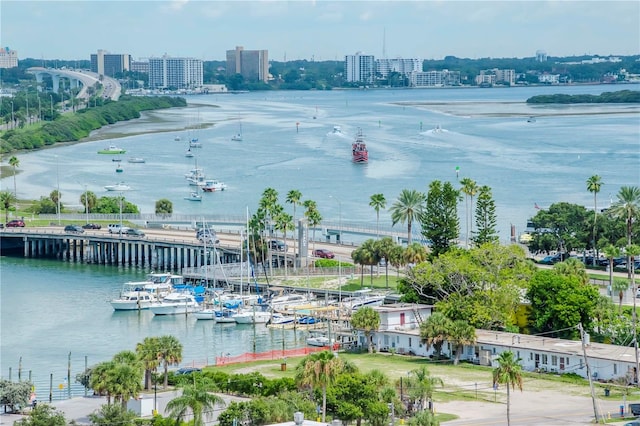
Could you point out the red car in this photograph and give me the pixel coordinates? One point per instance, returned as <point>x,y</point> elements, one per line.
<point>323,253</point>
<point>16,223</point>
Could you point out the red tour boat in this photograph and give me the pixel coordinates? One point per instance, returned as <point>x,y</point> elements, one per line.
<point>359,151</point>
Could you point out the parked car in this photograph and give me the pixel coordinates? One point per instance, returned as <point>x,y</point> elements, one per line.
<point>187,370</point>
<point>115,228</point>
<point>92,226</point>
<point>133,232</point>
<point>324,253</point>
<point>15,223</point>
<point>277,245</point>
<point>74,229</point>
<point>208,236</point>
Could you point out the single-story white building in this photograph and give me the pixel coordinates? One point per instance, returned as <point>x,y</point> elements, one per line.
<point>400,332</point>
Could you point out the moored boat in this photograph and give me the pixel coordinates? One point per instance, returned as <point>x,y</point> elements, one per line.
<point>359,152</point>
<point>193,196</point>
<point>183,300</point>
<point>137,160</point>
<point>134,297</point>
<point>280,319</point>
<point>112,149</point>
<point>212,185</point>
<point>252,316</point>
<point>118,187</point>
<point>363,298</point>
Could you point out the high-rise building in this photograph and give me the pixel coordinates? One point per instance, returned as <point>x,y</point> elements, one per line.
<point>175,73</point>
<point>105,63</point>
<point>253,65</point>
<point>8,58</point>
<point>140,66</point>
<point>399,65</point>
<point>541,56</point>
<point>360,68</point>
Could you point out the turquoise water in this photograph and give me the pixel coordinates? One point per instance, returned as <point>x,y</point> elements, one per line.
<point>50,308</point>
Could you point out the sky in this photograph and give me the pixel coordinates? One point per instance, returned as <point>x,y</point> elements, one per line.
<point>320,30</point>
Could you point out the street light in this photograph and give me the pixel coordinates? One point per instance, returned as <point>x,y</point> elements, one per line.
<point>86,203</point>
<point>13,121</point>
<point>51,97</point>
<point>339,242</point>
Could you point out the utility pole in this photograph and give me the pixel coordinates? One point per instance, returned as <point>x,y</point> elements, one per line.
<point>586,363</point>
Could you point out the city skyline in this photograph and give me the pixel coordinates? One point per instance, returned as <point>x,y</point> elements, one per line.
<point>321,30</point>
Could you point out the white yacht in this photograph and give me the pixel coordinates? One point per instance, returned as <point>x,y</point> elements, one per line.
<point>252,316</point>
<point>363,298</point>
<point>118,187</point>
<point>134,297</point>
<point>176,303</point>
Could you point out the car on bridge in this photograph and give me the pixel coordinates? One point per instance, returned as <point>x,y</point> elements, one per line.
<point>133,232</point>
<point>324,253</point>
<point>15,223</point>
<point>91,226</point>
<point>75,229</point>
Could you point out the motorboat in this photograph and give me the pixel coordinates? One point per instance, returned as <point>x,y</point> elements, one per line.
<point>337,130</point>
<point>194,143</point>
<point>212,185</point>
<point>194,173</point>
<point>177,139</point>
<point>363,298</point>
<point>137,160</point>
<point>319,340</point>
<point>197,181</point>
<point>118,187</point>
<point>531,120</point>
<point>236,137</point>
<point>119,169</point>
<point>206,314</point>
<point>188,153</point>
<point>359,152</point>
<point>280,319</point>
<point>288,301</point>
<point>112,149</point>
<point>193,196</point>
<point>307,320</point>
<point>183,300</point>
<point>134,296</point>
<point>252,316</point>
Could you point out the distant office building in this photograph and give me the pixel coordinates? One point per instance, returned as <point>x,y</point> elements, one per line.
<point>399,65</point>
<point>541,56</point>
<point>434,78</point>
<point>495,76</point>
<point>253,65</point>
<point>105,63</point>
<point>175,73</point>
<point>140,66</point>
<point>360,68</point>
<point>8,58</point>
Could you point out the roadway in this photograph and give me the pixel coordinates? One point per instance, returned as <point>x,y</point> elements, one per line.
<point>112,89</point>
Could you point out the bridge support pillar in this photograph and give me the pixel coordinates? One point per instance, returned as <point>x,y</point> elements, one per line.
<point>56,82</point>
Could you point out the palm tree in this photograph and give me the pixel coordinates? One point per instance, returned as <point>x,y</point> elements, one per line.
<point>422,385</point>
<point>314,218</point>
<point>370,255</point>
<point>620,285</point>
<point>14,162</point>
<point>385,248</point>
<point>7,199</point>
<point>435,331</point>
<point>147,351</point>
<point>319,370</point>
<point>169,353</point>
<point>406,208</point>
<point>194,399</point>
<point>508,372</point>
<point>367,320</point>
<point>627,207</point>
<point>461,333</point>
<point>574,268</point>
<point>283,222</point>
<point>594,184</point>
<point>415,253</point>
<point>89,200</point>
<point>293,197</point>
<point>611,252</point>
<point>378,202</point>
<point>469,188</point>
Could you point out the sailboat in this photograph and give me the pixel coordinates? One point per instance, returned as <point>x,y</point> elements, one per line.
<point>188,153</point>
<point>238,136</point>
<point>194,195</point>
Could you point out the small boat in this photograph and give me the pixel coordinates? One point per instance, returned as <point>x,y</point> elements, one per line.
<point>195,144</point>
<point>177,139</point>
<point>363,298</point>
<point>119,169</point>
<point>319,340</point>
<point>175,304</point>
<point>193,196</point>
<point>238,136</point>
<point>133,297</point>
<point>188,153</point>
<point>116,160</point>
<point>197,181</point>
<point>337,130</point>
<point>137,160</point>
<point>118,187</point>
<point>359,151</point>
<point>194,173</point>
<point>531,119</point>
<point>212,185</point>
<point>206,314</point>
<point>112,149</point>
<point>252,316</point>
<point>307,320</point>
<point>280,319</point>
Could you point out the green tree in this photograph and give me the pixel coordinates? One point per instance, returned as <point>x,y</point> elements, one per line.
<point>560,302</point>
<point>377,201</point>
<point>7,199</point>
<point>88,200</point>
<point>566,224</point>
<point>112,415</point>
<point>620,285</point>
<point>319,370</point>
<point>594,184</point>
<point>434,331</point>
<point>423,418</point>
<point>314,218</point>
<point>195,400</point>
<point>439,220</point>
<point>486,219</point>
<point>164,207</point>
<point>509,373</point>
<point>367,320</point>
<point>415,253</point>
<point>169,353</point>
<point>294,197</point>
<point>14,162</point>
<point>421,386</point>
<point>284,222</point>
<point>611,252</point>
<point>43,415</point>
<point>55,196</point>
<point>370,256</point>
<point>627,207</point>
<point>385,249</point>
<point>148,354</point>
<point>469,189</point>
<point>14,394</point>
<point>407,208</point>
<point>461,334</point>
<point>572,267</point>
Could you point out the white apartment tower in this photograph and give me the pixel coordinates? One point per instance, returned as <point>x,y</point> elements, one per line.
<point>399,65</point>
<point>360,67</point>
<point>175,73</point>
<point>8,58</point>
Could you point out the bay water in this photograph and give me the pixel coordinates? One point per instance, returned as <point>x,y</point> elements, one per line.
<point>51,309</point>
